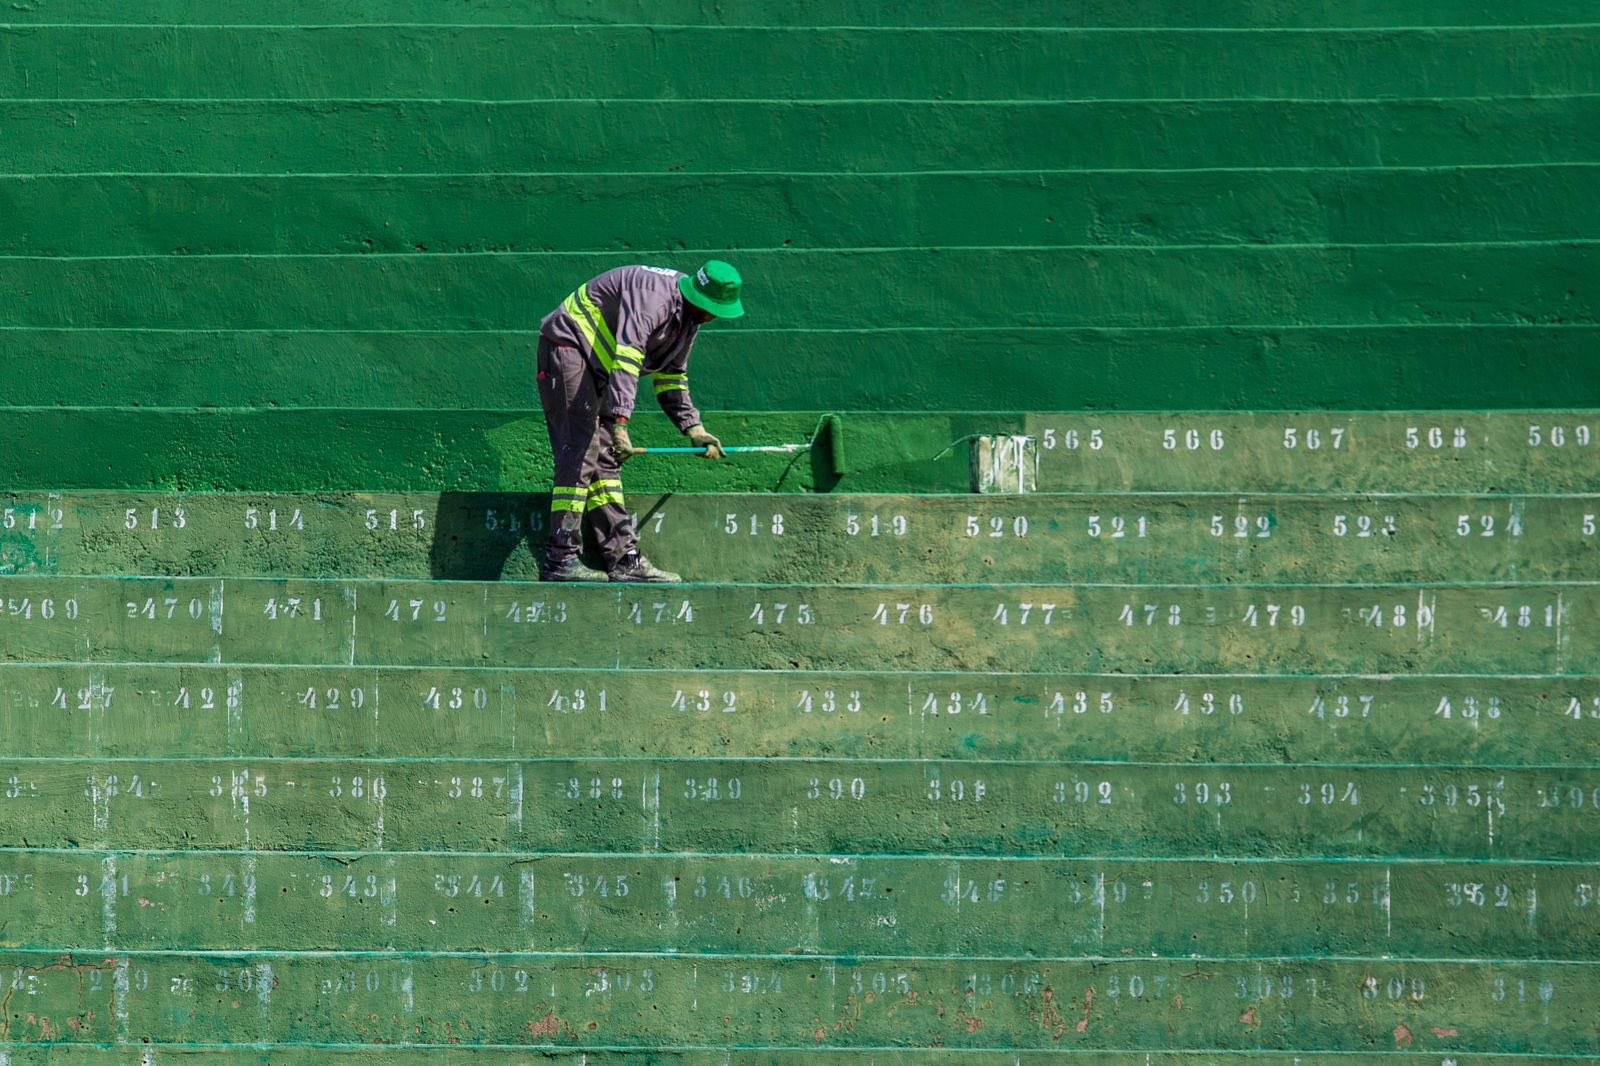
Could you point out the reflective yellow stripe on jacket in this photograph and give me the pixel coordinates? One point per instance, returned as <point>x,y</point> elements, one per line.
<point>671,383</point>
<point>585,313</point>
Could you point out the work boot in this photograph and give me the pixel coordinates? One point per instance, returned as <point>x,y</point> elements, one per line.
<point>636,568</point>
<point>569,570</point>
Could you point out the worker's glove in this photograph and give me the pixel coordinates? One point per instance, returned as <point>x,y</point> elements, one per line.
<point>621,446</point>
<point>700,437</point>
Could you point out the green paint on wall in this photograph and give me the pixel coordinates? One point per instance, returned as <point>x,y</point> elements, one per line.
<point>1264,730</point>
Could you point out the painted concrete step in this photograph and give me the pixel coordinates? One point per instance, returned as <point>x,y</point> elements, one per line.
<point>514,63</point>
<point>164,710</point>
<point>1273,629</point>
<point>469,136</point>
<point>913,540</point>
<point>773,904</point>
<point>397,371</point>
<point>849,806</point>
<point>1114,285</point>
<point>399,450</point>
<point>640,214</point>
<point>962,14</point>
<point>622,1001</point>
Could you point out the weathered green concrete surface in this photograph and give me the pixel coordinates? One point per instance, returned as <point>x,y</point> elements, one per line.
<point>260,712</point>
<point>788,1003</point>
<point>814,538</point>
<point>453,1054</point>
<point>774,905</point>
<point>1267,629</point>
<point>914,807</point>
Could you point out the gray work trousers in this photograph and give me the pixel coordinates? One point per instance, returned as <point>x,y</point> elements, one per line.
<point>588,478</point>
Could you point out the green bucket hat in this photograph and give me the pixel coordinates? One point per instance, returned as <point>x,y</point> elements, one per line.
<point>714,288</point>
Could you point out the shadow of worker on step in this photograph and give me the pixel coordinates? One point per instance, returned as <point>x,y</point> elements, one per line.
<point>487,536</point>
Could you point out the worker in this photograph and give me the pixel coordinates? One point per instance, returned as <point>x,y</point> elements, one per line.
<point>628,323</point>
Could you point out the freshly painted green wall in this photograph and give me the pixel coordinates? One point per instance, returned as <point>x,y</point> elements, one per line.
<point>335,211</point>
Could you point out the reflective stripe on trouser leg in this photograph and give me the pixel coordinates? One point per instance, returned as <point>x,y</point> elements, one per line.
<point>607,512</point>
<point>565,498</point>
<point>603,492</point>
<point>569,391</point>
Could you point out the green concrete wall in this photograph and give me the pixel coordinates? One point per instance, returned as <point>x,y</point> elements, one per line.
<point>334,211</point>
<point>1266,731</point>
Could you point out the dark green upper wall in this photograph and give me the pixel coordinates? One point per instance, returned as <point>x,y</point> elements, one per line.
<point>1202,14</point>
<point>952,205</point>
<point>798,63</point>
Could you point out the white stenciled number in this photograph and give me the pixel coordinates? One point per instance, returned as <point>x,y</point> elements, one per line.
<point>1560,436</point>
<point>271,521</point>
<point>1337,706</point>
<point>800,614</point>
<point>1435,438</point>
<point>753,525</point>
<point>903,614</point>
<point>177,518</point>
<point>1116,527</point>
<point>1080,702</point>
<point>876,525</point>
<point>1192,440</point>
<point>1269,615</point>
<point>837,788</point>
<point>1365,526</point>
<point>393,521</point>
<point>416,611</point>
<point>1149,614</point>
<point>1022,614</point>
<point>827,701</point>
<point>1242,526</point>
<point>1487,525</point>
<point>997,526</point>
<point>1072,440</point>
<point>1209,704</point>
<point>1311,439</point>
<point>704,700</point>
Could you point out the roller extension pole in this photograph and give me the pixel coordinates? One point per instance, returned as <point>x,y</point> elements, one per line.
<point>727,449</point>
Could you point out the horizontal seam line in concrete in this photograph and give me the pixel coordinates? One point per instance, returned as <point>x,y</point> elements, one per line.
<point>832,28</point>
<point>871,330</point>
<point>771,956</point>
<point>653,671</point>
<point>1436,414</point>
<point>803,760</point>
<point>681,174</point>
<point>782,250</point>
<point>942,103</point>
<point>1589,322</point>
<point>1551,584</point>
<point>907,856</point>
<point>835,500</point>
<point>1212,1053</point>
